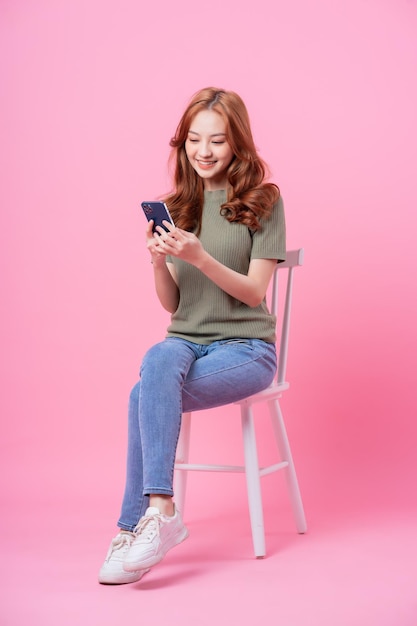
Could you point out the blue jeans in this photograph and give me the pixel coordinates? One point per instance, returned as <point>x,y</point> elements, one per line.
<point>179,376</point>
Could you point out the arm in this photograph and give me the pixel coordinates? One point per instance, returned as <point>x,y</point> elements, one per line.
<point>164,273</point>
<point>249,289</point>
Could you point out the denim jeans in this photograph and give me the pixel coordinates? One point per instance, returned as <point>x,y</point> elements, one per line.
<point>179,376</point>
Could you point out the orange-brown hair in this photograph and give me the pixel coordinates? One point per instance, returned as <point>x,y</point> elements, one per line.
<point>249,197</point>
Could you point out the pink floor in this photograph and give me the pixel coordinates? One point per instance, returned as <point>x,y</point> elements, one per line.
<point>351,569</point>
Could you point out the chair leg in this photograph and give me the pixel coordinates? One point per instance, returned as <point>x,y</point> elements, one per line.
<point>253,481</point>
<point>182,456</point>
<point>291,476</point>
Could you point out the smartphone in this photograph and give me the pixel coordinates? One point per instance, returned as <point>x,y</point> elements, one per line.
<point>157,211</point>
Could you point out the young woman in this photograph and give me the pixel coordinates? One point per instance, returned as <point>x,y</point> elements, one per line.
<point>211,273</point>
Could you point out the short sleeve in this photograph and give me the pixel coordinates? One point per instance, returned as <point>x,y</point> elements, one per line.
<point>270,241</point>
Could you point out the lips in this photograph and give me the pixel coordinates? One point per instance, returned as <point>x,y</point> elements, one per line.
<point>204,164</point>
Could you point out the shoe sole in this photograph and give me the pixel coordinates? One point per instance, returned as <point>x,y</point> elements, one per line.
<point>106,580</point>
<point>153,560</point>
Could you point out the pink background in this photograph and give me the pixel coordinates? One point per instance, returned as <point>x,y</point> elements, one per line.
<point>91,92</point>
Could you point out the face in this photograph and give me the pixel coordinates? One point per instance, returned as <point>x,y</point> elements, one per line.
<point>207,149</point>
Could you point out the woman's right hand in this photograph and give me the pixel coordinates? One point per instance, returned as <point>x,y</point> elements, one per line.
<point>152,243</point>
<point>165,283</point>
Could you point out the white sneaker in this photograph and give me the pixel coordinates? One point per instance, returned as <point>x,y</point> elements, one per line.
<point>112,572</point>
<point>155,535</point>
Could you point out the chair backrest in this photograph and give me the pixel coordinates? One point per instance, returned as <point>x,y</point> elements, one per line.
<point>294,259</point>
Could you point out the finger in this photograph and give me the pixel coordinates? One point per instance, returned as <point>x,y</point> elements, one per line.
<point>166,237</point>
<point>149,233</point>
<point>168,226</point>
<point>183,234</point>
<point>159,231</point>
<point>165,242</point>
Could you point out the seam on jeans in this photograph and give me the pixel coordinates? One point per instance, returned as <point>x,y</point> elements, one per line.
<point>229,368</point>
<point>128,527</point>
<point>158,490</point>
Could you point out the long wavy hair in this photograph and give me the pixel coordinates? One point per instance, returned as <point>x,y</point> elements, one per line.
<point>249,197</point>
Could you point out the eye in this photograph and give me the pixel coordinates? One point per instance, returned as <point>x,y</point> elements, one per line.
<point>219,143</point>
<point>192,140</point>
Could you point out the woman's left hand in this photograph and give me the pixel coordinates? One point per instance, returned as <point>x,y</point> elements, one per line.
<point>249,288</point>
<point>179,243</point>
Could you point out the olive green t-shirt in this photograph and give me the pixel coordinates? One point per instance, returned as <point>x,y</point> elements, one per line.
<point>205,312</point>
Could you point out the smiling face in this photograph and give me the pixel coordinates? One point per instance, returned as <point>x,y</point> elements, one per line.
<point>207,149</point>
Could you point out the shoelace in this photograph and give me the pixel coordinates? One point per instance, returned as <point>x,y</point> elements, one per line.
<point>148,527</point>
<point>123,539</point>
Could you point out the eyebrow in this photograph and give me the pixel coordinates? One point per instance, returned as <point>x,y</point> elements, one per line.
<point>193,132</point>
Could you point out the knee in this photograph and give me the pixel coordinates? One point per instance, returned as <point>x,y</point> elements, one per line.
<point>170,356</point>
<point>134,394</point>
<point>158,355</point>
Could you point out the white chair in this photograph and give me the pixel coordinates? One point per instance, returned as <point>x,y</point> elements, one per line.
<point>271,396</point>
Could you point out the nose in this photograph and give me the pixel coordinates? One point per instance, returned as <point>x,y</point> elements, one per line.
<point>204,149</point>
